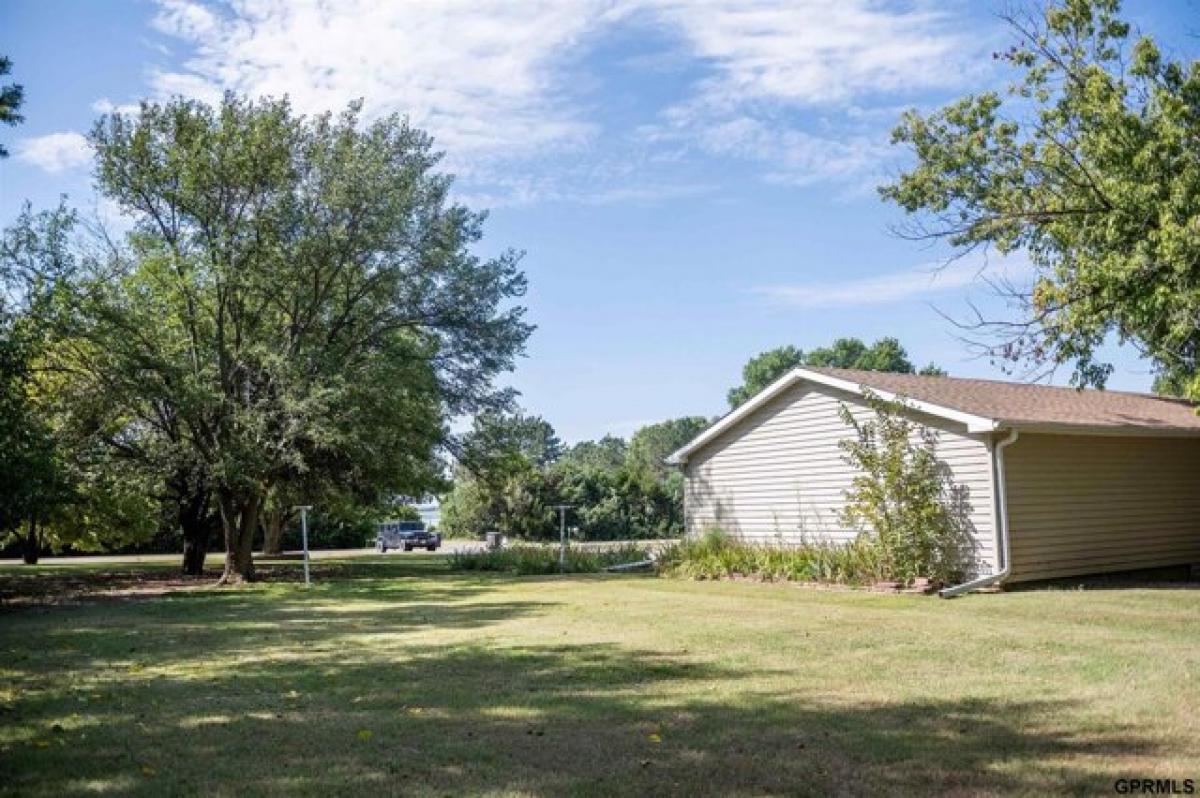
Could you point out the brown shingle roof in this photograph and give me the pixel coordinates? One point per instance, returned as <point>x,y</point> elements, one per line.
<point>1033,405</point>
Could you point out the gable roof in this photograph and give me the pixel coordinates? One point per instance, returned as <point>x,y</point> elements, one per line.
<point>987,405</point>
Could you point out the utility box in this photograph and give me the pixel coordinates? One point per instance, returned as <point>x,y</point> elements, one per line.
<point>494,540</point>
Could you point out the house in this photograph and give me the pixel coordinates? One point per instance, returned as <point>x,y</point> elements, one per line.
<point>430,512</point>
<point>1050,481</point>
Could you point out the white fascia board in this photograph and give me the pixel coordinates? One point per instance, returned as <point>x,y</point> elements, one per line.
<point>734,416</point>
<point>974,423</point>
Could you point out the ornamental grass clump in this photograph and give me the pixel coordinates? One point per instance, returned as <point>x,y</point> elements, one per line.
<point>715,555</point>
<point>530,560</point>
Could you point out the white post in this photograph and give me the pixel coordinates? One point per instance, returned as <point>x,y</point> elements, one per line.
<point>562,536</point>
<point>304,539</point>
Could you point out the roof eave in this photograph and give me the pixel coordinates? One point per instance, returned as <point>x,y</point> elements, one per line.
<point>975,424</point>
<point>1128,431</point>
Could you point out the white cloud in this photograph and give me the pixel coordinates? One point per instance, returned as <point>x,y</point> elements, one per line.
<point>498,81</point>
<point>107,106</point>
<point>479,75</point>
<point>55,152</point>
<point>920,282</point>
<point>788,80</point>
<point>819,51</point>
<point>794,157</point>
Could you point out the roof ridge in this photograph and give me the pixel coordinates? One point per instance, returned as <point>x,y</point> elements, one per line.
<point>1005,383</point>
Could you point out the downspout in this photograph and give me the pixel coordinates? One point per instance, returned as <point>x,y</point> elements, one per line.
<point>999,523</point>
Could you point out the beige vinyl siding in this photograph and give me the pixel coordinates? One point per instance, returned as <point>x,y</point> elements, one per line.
<point>1088,504</point>
<point>779,476</point>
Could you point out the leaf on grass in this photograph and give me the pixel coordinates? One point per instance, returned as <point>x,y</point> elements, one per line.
<point>365,734</point>
<point>41,743</point>
<point>654,737</point>
<point>148,771</point>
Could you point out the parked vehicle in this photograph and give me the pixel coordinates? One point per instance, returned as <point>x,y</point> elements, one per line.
<point>406,535</point>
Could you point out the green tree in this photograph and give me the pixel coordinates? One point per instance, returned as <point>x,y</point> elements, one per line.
<point>63,487</point>
<point>500,482</point>
<point>298,295</point>
<point>608,453</point>
<point>1091,168</point>
<point>12,95</point>
<point>31,481</point>
<point>886,354</point>
<point>653,443</point>
<point>466,509</point>
<point>762,370</point>
<point>502,442</point>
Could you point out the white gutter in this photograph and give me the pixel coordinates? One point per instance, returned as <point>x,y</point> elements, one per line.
<point>999,523</point>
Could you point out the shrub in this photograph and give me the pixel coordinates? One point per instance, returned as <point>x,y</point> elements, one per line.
<point>528,560</point>
<point>913,516</point>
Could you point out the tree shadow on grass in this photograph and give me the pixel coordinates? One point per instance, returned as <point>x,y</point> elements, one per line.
<point>338,716</point>
<point>78,583</point>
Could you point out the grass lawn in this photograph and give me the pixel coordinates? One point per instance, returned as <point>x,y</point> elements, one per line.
<point>393,676</point>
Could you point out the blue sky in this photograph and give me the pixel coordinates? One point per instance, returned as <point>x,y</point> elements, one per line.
<point>692,182</point>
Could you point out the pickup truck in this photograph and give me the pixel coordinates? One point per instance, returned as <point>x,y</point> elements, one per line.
<point>407,535</point>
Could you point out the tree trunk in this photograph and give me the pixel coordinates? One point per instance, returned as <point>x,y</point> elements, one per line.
<point>197,524</point>
<point>195,552</point>
<point>272,524</point>
<point>239,518</point>
<point>32,544</point>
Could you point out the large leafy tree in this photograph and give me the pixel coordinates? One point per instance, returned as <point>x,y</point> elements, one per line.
<point>30,471</point>
<point>58,483</point>
<point>652,444</point>
<point>11,97</point>
<point>298,299</point>
<point>501,442</point>
<point>500,475</point>
<point>607,453</point>
<point>507,481</point>
<point>762,370</point>
<point>886,354</point>
<point>1091,166</point>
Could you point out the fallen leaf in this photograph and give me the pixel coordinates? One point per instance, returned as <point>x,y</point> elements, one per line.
<point>148,771</point>
<point>41,744</point>
<point>654,738</point>
<point>365,734</point>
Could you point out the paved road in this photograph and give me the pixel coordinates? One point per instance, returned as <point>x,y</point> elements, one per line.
<point>215,556</point>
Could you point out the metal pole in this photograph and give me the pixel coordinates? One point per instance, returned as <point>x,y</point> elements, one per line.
<point>562,535</point>
<point>304,539</point>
